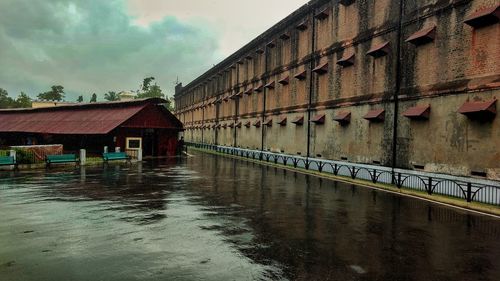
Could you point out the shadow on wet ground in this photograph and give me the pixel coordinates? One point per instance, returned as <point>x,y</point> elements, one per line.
<point>214,218</point>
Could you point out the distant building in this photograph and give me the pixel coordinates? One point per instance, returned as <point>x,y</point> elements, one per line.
<point>140,124</point>
<point>126,96</point>
<point>42,104</point>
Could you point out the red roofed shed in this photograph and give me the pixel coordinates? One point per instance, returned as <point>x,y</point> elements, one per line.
<point>95,125</point>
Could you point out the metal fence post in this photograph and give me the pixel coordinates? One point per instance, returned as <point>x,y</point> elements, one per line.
<point>469,192</point>
<point>429,186</point>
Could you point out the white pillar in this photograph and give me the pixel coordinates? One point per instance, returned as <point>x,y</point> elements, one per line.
<point>83,156</point>
<point>105,149</point>
<point>139,155</point>
<point>12,153</point>
<point>83,174</point>
<point>117,149</point>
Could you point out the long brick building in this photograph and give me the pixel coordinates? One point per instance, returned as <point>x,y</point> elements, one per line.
<point>409,84</point>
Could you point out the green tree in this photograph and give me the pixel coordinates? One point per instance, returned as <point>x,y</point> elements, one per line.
<point>93,98</point>
<point>23,101</point>
<point>170,104</point>
<point>111,96</point>
<point>55,94</point>
<point>148,90</point>
<point>80,99</point>
<point>145,84</point>
<point>5,100</point>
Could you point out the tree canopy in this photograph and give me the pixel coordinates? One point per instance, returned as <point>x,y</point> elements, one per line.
<point>22,101</point>
<point>93,98</point>
<point>111,96</point>
<point>149,91</point>
<point>55,94</point>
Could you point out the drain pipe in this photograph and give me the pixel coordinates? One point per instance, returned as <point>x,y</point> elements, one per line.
<point>236,107</point>
<point>397,89</point>
<point>311,84</point>
<point>264,92</point>
<point>203,116</point>
<point>192,116</point>
<point>217,109</point>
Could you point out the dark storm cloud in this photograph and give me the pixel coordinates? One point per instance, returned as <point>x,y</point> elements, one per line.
<point>94,46</point>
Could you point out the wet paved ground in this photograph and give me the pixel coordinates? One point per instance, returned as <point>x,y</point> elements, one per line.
<point>215,218</point>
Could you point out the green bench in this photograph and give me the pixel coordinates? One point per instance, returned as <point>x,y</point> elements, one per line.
<point>112,156</point>
<point>8,161</point>
<point>60,159</point>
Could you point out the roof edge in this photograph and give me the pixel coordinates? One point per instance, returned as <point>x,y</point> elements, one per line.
<point>87,105</point>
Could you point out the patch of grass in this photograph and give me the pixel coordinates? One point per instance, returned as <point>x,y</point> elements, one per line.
<point>94,160</point>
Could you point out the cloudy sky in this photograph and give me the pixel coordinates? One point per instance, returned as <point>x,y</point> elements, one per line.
<point>111,45</point>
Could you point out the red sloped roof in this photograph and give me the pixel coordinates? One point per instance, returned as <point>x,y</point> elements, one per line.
<point>98,118</point>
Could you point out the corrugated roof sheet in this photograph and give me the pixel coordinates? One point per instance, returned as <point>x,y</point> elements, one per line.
<point>97,118</point>
<point>69,121</point>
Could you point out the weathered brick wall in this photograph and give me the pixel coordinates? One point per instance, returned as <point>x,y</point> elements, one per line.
<point>460,64</point>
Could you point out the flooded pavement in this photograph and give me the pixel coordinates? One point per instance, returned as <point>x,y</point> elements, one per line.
<point>216,218</point>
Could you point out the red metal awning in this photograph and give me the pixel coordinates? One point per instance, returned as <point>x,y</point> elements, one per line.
<point>375,115</point>
<point>248,124</point>
<point>323,14</point>
<point>346,60</point>
<point>270,85</point>
<point>318,119</point>
<point>259,88</point>
<point>269,122</point>
<point>284,81</point>
<point>418,112</point>
<point>299,120</point>
<point>302,26</point>
<point>257,123</point>
<point>284,36</point>
<point>321,69</point>
<point>379,50</point>
<point>343,117</point>
<point>484,17</point>
<point>423,36</point>
<point>282,121</point>
<point>301,75</point>
<point>479,109</point>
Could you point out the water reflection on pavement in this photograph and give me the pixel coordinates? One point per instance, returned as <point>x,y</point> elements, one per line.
<point>214,218</point>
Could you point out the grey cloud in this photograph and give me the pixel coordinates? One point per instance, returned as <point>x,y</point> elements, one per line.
<point>93,46</point>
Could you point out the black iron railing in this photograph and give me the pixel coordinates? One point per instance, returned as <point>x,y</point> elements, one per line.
<point>469,189</point>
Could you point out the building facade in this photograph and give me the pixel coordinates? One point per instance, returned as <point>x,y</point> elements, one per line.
<point>407,84</point>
